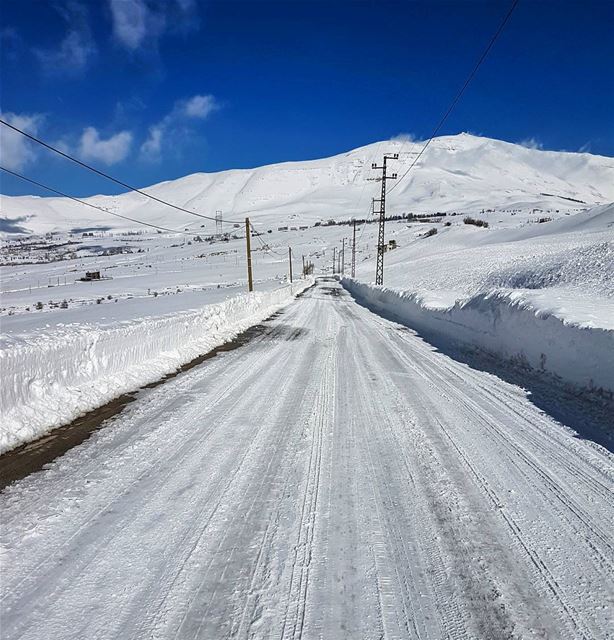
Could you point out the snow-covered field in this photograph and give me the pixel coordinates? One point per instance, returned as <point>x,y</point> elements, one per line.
<point>565,265</point>
<point>541,293</point>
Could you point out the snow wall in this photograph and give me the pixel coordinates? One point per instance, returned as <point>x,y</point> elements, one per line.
<point>51,378</point>
<point>504,324</point>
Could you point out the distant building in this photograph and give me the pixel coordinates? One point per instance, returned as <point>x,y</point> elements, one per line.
<point>91,275</point>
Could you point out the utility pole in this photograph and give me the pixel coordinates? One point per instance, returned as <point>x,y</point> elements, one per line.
<point>381,247</point>
<point>354,249</point>
<point>218,223</point>
<point>334,258</point>
<point>250,280</point>
<point>304,266</point>
<point>343,256</point>
<point>290,261</point>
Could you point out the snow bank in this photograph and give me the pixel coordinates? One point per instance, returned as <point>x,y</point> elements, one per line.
<point>50,378</point>
<point>507,324</point>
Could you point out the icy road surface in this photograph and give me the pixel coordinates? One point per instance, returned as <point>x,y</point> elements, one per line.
<point>334,478</point>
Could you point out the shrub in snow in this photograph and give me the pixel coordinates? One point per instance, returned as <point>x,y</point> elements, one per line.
<point>475,221</point>
<point>431,232</point>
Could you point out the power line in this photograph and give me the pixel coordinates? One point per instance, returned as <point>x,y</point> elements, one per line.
<point>89,204</point>
<point>460,93</point>
<point>265,246</point>
<point>192,213</point>
<point>454,102</point>
<point>105,175</point>
<point>113,179</point>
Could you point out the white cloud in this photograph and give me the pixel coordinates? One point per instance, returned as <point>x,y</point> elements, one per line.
<point>198,107</point>
<point>110,151</point>
<point>72,55</point>
<point>76,48</point>
<point>531,143</point>
<point>404,137</point>
<point>186,5</point>
<point>140,23</point>
<point>63,146</point>
<point>151,148</point>
<point>132,20</point>
<point>16,151</point>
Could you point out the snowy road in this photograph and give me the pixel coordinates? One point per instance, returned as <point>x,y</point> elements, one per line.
<point>336,477</point>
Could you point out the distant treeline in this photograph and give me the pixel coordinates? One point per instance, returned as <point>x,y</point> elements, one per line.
<point>411,217</point>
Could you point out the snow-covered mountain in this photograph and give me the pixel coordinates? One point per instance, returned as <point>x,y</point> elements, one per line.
<point>463,173</point>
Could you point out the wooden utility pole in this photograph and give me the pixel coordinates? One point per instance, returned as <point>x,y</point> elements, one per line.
<point>303,266</point>
<point>354,250</point>
<point>381,247</point>
<point>343,256</point>
<point>334,258</point>
<point>250,280</point>
<point>290,261</point>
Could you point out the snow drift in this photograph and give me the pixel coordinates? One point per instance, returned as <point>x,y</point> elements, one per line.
<point>51,378</point>
<point>504,323</point>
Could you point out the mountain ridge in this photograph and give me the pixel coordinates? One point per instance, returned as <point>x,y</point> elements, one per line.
<point>463,173</point>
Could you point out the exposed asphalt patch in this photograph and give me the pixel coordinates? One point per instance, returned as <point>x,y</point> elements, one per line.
<point>336,292</point>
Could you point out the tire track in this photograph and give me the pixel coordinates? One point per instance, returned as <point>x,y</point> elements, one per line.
<point>438,381</point>
<point>296,599</point>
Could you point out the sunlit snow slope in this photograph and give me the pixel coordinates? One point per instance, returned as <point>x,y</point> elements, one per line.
<point>463,173</point>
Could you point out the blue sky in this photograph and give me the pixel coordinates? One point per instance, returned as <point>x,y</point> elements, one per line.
<point>152,90</point>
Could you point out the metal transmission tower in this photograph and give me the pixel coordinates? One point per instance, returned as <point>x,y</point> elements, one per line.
<point>218,223</point>
<point>381,247</point>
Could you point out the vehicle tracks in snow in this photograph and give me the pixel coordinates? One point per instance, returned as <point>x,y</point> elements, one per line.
<point>485,410</point>
<point>333,478</point>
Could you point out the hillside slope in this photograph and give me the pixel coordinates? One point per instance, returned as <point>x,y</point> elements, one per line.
<point>463,173</point>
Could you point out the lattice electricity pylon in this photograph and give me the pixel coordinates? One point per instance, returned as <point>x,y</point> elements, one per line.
<point>218,223</point>
<point>381,247</point>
